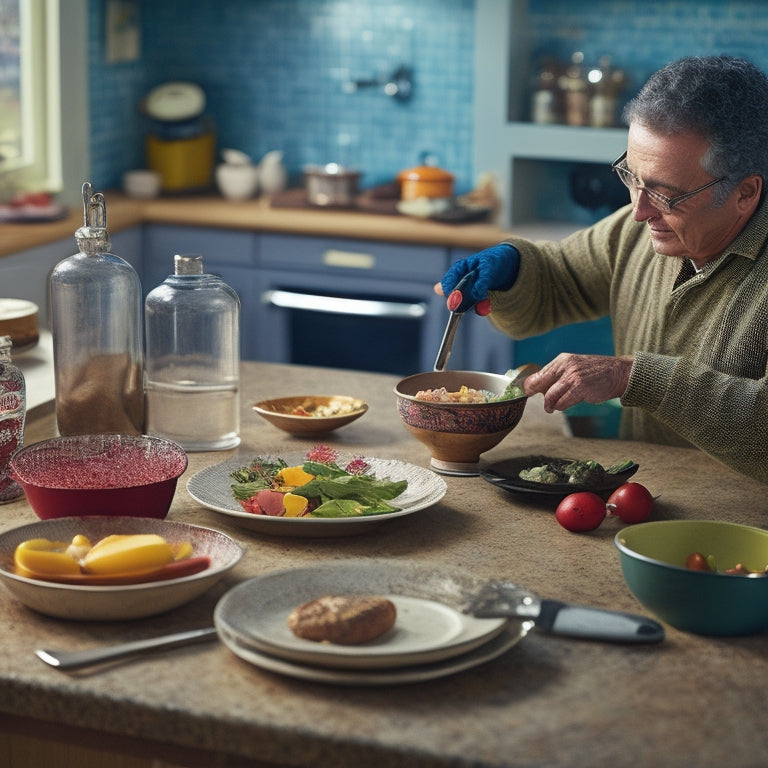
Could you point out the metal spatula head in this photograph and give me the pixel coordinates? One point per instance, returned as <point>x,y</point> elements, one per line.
<point>503,598</point>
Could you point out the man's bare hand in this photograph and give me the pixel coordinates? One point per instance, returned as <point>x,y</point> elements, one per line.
<point>570,379</point>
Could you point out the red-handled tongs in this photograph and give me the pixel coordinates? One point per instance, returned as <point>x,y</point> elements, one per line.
<point>454,303</point>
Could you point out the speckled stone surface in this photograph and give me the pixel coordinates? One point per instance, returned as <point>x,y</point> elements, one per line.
<point>547,702</point>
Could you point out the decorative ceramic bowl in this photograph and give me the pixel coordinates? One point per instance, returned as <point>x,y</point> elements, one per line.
<point>311,414</point>
<point>653,559</point>
<point>116,475</point>
<point>122,601</point>
<point>457,433</point>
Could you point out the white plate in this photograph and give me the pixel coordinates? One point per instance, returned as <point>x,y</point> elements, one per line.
<point>123,601</point>
<point>430,625</point>
<point>380,677</point>
<point>211,487</point>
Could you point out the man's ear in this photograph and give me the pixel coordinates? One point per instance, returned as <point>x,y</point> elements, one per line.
<point>748,192</point>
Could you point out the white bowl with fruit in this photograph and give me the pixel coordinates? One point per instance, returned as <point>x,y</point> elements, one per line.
<point>112,568</point>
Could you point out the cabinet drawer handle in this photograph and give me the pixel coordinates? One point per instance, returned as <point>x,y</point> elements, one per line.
<point>342,306</point>
<point>335,258</point>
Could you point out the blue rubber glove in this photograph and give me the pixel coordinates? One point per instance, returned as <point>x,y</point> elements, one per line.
<point>496,269</point>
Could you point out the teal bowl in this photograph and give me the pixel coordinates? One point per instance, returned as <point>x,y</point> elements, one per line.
<point>653,555</point>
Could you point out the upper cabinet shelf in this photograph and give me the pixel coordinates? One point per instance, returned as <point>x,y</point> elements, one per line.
<point>533,162</point>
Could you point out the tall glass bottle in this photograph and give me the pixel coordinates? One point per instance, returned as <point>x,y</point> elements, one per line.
<point>96,324</point>
<point>193,359</point>
<point>13,408</point>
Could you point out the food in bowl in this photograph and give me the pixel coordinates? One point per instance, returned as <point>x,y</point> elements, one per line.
<point>469,395</point>
<point>317,409</point>
<point>319,487</point>
<point>311,414</point>
<point>113,559</point>
<point>116,601</point>
<point>653,560</point>
<point>457,433</point>
<point>121,475</point>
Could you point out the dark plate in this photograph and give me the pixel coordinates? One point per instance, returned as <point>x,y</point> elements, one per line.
<point>506,474</point>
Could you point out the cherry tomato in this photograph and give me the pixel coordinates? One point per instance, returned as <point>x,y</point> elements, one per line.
<point>582,511</point>
<point>631,502</point>
<point>697,562</point>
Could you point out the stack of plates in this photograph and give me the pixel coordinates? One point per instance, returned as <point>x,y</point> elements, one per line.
<point>18,319</point>
<point>431,638</point>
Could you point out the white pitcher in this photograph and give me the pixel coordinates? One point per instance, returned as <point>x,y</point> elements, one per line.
<point>272,176</point>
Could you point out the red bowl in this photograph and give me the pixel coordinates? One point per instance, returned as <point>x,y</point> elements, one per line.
<point>114,475</point>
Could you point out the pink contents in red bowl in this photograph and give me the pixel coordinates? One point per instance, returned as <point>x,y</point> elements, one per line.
<point>118,475</point>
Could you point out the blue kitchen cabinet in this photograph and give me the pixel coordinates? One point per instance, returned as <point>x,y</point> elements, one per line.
<point>24,275</point>
<point>232,255</point>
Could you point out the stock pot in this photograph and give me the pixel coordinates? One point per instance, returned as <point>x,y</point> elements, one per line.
<point>331,184</point>
<point>425,181</point>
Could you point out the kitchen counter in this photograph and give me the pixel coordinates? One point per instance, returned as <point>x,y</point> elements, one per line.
<point>258,215</point>
<point>547,701</point>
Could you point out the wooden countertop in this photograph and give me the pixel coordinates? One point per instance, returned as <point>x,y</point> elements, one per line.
<point>258,215</point>
<point>547,701</point>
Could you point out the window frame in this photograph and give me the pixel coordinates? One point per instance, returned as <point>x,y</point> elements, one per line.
<point>39,165</point>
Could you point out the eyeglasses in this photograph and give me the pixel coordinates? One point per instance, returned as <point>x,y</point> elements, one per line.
<point>657,200</point>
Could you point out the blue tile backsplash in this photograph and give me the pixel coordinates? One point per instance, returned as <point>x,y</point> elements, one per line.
<point>274,71</point>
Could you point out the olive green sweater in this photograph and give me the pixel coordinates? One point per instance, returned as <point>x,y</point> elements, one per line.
<point>700,349</point>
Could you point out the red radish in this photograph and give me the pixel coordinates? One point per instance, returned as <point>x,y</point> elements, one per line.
<point>270,502</point>
<point>583,511</point>
<point>631,502</point>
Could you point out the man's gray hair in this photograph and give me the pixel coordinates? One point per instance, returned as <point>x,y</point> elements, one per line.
<point>722,98</point>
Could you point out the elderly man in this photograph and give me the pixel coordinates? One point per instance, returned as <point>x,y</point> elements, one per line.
<point>682,271</point>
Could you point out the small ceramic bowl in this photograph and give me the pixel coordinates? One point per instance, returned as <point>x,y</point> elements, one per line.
<point>123,601</point>
<point>311,414</point>
<point>457,433</point>
<point>653,556</point>
<point>116,475</point>
<point>142,184</point>
<point>236,181</point>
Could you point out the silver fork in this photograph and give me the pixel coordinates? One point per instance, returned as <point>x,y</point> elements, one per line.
<point>71,660</point>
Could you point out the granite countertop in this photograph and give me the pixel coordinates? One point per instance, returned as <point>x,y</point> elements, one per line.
<point>259,215</point>
<point>547,701</point>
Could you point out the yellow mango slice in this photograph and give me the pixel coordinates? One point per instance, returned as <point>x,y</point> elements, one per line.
<point>182,550</point>
<point>294,505</point>
<point>124,553</point>
<point>37,557</point>
<point>293,476</point>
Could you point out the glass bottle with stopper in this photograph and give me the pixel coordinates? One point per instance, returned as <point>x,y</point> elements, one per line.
<point>96,324</point>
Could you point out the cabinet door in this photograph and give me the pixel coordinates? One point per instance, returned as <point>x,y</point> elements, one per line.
<point>128,245</point>
<point>218,247</point>
<point>24,275</point>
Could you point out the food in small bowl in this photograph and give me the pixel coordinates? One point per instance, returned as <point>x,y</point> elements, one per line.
<point>707,602</point>
<point>89,600</point>
<point>459,415</point>
<point>311,414</point>
<point>119,475</point>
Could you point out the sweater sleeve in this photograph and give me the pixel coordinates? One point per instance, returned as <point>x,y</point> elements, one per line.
<point>723,415</point>
<point>561,282</point>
